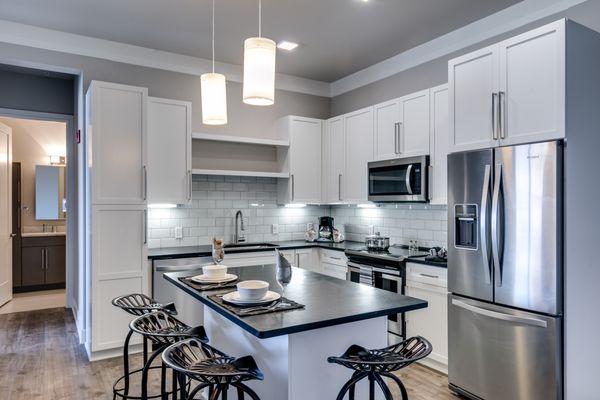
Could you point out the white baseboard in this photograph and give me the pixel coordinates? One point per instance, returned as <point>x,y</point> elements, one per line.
<point>111,353</point>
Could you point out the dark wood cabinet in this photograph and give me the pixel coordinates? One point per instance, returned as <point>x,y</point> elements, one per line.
<point>43,263</point>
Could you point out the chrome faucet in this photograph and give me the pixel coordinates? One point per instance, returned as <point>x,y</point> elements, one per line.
<point>239,228</point>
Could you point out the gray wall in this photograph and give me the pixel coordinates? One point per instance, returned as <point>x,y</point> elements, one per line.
<point>244,120</point>
<point>435,72</point>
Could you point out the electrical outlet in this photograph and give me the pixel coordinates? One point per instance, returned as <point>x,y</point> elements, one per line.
<point>178,232</point>
<point>274,229</point>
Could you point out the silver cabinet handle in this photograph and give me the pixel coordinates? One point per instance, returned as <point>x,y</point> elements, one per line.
<point>46,258</point>
<point>495,225</point>
<point>190,188</point>
<point>340,187</point>
<point>400,137</point>
<point>498,315</point>
<point>43,250</point>
<point>144,182</point>
<point>430,276</point>
<point>501,111</point>
<point>430,183</point>
<point>494,126</point>
<point>485,194</point>
<point>293,189</point>
<point>396,137</point>
<point>407,179</point>
<point>144,225</point>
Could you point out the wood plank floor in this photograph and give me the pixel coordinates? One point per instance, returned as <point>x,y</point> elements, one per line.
<point>40,359</point>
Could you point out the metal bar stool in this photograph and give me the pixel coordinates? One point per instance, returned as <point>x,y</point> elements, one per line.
<point>135,304</point>
<point>162,329</point>
<point>373,364</point>
<point>212,369</point>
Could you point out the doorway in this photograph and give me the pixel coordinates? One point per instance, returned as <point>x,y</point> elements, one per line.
<point>41,192</point>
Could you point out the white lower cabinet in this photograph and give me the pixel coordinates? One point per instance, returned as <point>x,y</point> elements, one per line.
<point>333,263</point>
<point>430,284</point>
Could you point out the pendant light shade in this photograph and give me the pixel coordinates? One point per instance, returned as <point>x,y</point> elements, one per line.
<point>214,99</point>
<point>259,71</point>
<point>213,90</point>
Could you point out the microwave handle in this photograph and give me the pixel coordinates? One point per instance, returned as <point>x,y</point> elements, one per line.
<point>407,178</point>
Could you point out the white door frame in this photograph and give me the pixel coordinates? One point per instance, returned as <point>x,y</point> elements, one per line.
<point>71,170</point>
<point>8,188</point>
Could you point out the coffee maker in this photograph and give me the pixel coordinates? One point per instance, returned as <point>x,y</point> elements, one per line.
<point>325,229</point>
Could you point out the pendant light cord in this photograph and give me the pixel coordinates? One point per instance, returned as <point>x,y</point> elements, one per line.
<point>259,18</point>
<point>213,36</point>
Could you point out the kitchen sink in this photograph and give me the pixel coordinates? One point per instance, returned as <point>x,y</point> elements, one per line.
<point>249,246</point>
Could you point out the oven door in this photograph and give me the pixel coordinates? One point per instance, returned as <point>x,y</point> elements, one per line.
<point>391,280</point>
<point>399,180</point>
<point>359,273</point>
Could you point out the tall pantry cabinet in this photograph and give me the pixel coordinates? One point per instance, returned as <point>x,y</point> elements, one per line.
<point>117,177</point>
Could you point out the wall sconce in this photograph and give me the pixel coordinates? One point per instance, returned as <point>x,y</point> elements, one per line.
<point>58,160</point>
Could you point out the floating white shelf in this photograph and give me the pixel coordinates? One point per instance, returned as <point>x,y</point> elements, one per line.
<point>240,173</point>
<point>240,139</point>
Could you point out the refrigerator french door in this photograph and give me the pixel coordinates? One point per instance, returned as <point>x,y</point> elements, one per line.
<point>504,272</point>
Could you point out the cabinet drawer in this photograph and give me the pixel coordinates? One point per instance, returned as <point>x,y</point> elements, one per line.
<point>333,270</point>
<point>426,274</point>
<point>36,241</point>
<point>334,257</point>
<point>249,259</point>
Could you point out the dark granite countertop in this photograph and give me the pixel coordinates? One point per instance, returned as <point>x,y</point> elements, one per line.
<point>328,301</point>
<point>422,260</point>
<point>206,250</point>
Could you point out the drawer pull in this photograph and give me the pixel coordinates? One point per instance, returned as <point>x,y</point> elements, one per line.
<point>430,276</point>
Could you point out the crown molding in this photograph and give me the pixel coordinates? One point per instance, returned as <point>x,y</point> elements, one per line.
<point>49,39</point>
<point>506,20</point>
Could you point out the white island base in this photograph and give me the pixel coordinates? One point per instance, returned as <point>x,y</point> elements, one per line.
<point>295,366</point>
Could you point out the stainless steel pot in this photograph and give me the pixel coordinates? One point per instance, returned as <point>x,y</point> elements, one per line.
<point>377,242</point>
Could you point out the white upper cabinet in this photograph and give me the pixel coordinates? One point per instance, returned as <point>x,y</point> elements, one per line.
<point>473,87</point>
<point>335,160</point>
<point>510,93</point>
<point>117,132</point>
<point>414,125</point>
<point>439,143</point>
<point>359,138</point>
<point>387,130</point>
<point>532,85</point>
<point>169,151</point>
<point>303,159</point>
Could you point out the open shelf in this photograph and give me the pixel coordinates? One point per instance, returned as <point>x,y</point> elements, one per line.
<point>239,139</point>
<point>240,173</point>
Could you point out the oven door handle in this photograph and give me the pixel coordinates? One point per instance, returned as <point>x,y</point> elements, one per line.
<point>361,267</point>
<point>391,278</point>
<point>407,179</point>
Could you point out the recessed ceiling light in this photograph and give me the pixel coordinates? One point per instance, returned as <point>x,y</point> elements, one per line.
<point>285,45</point>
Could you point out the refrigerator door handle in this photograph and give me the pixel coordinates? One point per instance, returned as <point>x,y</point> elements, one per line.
<point>498,315</point>
<point>496,224</point>
<point>484,224</point>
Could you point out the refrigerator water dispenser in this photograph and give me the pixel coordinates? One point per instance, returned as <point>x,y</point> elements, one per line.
<point>465,226</point>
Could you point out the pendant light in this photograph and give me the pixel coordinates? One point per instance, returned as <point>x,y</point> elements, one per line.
<point>213,90</point>
<point>259,68</point>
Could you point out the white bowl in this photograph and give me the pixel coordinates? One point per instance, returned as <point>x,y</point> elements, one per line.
<point>252,290</point>
<point>214,271</point>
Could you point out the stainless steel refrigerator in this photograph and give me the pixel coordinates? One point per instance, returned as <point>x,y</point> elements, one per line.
<point>505,272</point>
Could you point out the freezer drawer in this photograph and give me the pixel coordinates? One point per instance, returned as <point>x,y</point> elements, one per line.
<point>500,353</point>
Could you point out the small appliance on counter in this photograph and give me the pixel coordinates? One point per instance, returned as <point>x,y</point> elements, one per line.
<point>325,229</point>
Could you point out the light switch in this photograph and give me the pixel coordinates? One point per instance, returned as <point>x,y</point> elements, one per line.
<point>178,232</point>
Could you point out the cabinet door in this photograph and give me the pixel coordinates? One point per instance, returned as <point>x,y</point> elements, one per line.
<point>119,266</point>
<point>290,255</point>
<point>117,117</point>
<point>472,81</point>
<point>32,267</point>
<point>532,85</point>
<point>387,130</point>
<point>55,264</point>
<point>414,125</point>
<point>359,151</point>
<point>305,160</point>
<point>169,151</point>
<point>337,160</point>
<point>430,322</point>
<point>304,260</point>
<point>438,142</point>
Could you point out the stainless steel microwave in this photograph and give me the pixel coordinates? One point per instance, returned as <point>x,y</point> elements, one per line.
<point>399,180</point>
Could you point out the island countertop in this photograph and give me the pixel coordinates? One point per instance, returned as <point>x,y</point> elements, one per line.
<point>328,301</point>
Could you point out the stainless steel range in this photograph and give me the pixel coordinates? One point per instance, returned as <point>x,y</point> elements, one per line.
<point>384,270</point>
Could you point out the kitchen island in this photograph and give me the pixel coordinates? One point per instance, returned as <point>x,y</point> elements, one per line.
<point>291,347</point>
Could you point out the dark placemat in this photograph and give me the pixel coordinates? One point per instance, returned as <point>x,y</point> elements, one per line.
<point>202,287</point>
<point>283,304</point>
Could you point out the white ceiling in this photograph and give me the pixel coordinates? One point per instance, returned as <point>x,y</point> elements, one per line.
<point>337,37</point>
